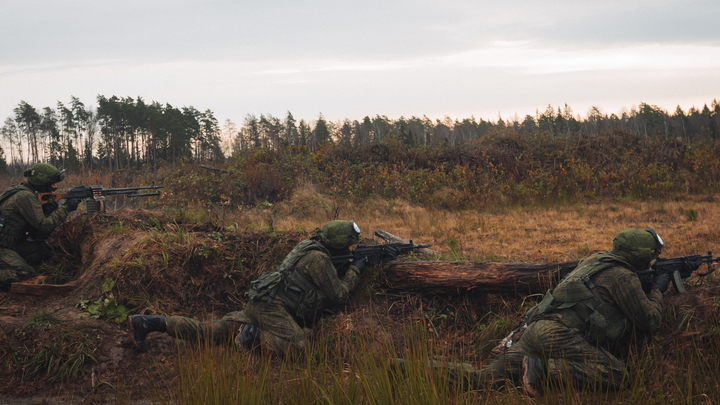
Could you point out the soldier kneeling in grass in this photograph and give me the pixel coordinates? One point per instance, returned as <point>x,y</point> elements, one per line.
<point>26,223</point>
<point>281,304</point>
<point>568,337</point>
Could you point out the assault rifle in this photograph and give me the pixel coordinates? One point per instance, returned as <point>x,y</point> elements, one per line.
<point>679,268</point>
<point>94,195</point>
<point>375,254</point>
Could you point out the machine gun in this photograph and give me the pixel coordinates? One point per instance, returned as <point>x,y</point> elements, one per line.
<point>94,196</point>
<point>375,254</point>
<point>679,268</point>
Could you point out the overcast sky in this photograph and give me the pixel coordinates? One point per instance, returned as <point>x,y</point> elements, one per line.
<point>351,59</point>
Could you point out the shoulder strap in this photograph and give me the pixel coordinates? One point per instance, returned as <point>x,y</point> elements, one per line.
<point>299,252</point>
<point>604,307</point>
<point>9,192</point>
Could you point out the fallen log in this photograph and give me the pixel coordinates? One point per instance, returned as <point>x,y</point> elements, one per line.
<point>41,290</point>
<point>456,277</point>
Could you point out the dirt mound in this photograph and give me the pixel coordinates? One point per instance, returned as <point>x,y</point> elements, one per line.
<point>51,347</point>
<point>55,346</point>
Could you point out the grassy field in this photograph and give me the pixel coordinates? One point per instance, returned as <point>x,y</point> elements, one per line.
<point>348,360</point>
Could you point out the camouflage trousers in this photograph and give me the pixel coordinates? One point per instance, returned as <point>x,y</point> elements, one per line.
<point>569,358</point>
<point>280,334</point>
<point>17,264</point>
<point>218,331</point>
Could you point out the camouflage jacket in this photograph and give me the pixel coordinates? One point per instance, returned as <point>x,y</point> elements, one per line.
<point>622,303</point>
<point>22,216</point>
<point>306,281</point>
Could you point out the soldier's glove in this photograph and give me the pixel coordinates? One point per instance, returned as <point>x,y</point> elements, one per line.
<point>249,337</point>
<point>389,254</point>
<point>360,264</point>
<point>688,267</point>
<point>661,281</point>
<point>49,207</point>
<point>72,203</point>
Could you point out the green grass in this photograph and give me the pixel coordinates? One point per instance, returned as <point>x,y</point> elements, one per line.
<point>354,367</point>
<point>64,353</point>
<point>344,369</point>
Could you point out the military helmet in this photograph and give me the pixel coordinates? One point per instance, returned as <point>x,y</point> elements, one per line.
<point>44,174</point>
<point>339,234</point>
<point>639,247</point>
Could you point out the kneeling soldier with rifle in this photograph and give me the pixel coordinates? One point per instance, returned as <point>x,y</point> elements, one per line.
<point>283,304</point>
<point>569,336</point>
<point>25,223</point>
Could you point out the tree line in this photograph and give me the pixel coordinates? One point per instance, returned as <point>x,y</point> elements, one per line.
<point>645,120</point>
<point>124,132</point>
<point>117,133</point>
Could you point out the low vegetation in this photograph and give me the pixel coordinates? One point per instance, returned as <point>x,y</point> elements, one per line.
<point>194,250</point>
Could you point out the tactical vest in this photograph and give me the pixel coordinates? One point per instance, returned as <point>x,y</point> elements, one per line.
<point>580,305</point>
<point>10,222</point>
<point>301,296</point>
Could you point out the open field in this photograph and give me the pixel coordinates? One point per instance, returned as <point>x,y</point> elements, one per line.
<point>201,262</point>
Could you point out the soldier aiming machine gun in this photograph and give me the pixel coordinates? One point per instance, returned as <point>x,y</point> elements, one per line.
<point>678,268</point>
<point>94,196</point>
<point>374,255</point>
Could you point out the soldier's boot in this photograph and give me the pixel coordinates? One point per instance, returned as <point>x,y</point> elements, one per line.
<point>144,324</point>
<point>248,337</point>
<point>533,375</point>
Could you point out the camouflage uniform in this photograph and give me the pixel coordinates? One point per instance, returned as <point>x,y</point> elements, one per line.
<point>573,327</point>
<point>565,338</point>
<point>25,227</point>
<point>283,307</point>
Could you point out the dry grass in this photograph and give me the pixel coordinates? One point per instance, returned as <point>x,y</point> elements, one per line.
<point>466,329</point>
<point>501,233</point>
<point>512,234</point>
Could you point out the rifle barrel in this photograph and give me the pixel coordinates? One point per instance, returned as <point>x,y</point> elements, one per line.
<point>142,195</point>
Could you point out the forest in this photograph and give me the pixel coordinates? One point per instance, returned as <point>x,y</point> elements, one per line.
<point>125,132</point>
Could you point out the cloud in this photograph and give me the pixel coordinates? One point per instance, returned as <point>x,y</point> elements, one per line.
<point>527,57</point>
<point>406,57</point>
<point>546,60</point>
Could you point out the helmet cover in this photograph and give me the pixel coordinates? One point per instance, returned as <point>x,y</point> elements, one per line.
<point>639,247</point>
<point>339,234</point>
<point>43,174</point>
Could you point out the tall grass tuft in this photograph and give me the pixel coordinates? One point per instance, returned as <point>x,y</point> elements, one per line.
<point>210,374</point>
<point>342,368</point>
<point>62,353</point>
<point>347,363</point>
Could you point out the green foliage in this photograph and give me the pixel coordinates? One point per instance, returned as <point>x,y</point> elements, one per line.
<point>105,307</point>
<point>42,318</point>
<point>454,245</point>
<point>493,171</point>
<point>690,214</point>
<point>491,329</point>
<point>60,353</point>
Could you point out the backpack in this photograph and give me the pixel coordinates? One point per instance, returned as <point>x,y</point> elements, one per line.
<point>268,284</point>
